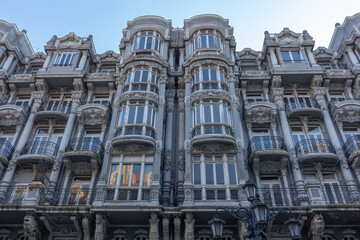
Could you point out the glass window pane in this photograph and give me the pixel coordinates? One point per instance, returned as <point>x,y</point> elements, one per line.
<point>197,79</point>
<point>197,109</point>
<point>197,176</point>
<point>286,57</point>
<point>144,76</point>
<point>222,78</point>
<point>142,43</point>
<point>67,61</point>
<point>148,120</point>
<point>147,175</point>
<point>218,43</point>
<point>137,76</point>
<point>296,56</point>
<point>63,56</point>
<point>207,114</point>
<point>195,43</point>
<point>205,75</point>
<point>232,173</point>
<point>131,116</point>
<point>203,42</point>
<point>140,115</point>
<point>125,175</point>
<point>134,46</point>
<point>157,44</point>
<point>135,178</point>
<point>216,112</point>
<point>153,78</point>
<point>209,174</point>
<point>213,74</point>
<point>226,117</point>
<point>72,59</point>
<point>211,42</point>
<point>149,42</point>
<point>219,174</point>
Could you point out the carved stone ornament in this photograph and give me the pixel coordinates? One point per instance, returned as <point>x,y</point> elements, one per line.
<point>100,227</point>
<point>210,94</point>
<point>346,113</point>
<point>189,226</point>
<point>93,114</point>
<point>260,113</point>
<point>181,162</point>
<point>317,227</point>
<point>213,148</point>
<point>139,95</point>
<point>154,227</point>
<point>31,227</point>
<point>134,149</point>
<point>177,226</point>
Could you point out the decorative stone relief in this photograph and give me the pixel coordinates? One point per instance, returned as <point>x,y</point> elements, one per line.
<point>210,94</point>
<point>154,227</point>
<point>260,114</point>
<point>93,115</point>
<point>134,149</point>
<point>139,95</point>
<point>100,230</point>
<point>177,228</point>
<point>317,227</point>
<point>189,226</point>
<point>31,227</point>
<point>213,148</point>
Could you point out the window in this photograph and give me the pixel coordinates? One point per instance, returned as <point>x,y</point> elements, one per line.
<point>147,40</point>
<point>58,103</point>
<point>138,112</point>
<point>130,178</point>
<point>207,39</point>
<point>271,191</point>
<point>64,59</point>
<point>213,171</point>
<point>22,101</point>
<point>101,99</point>
<point>303,100</point>
<point>79,191</point>
<point>291,57</point>
<point>142,80</point>
<point>211,78</point>
<point>19,193</point>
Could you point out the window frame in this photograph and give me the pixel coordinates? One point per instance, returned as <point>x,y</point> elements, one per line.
<point>64,58</point>
<point>156,41</point>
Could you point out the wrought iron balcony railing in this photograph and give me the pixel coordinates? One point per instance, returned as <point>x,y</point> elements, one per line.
<point>92,144</point>
<point>13,195</point>
<point>47,148</point>
<point>6,149</point>
<point>261,143</point>
<point>212,128</point>
<point>126,194</point>
<point>68,197</point>
<point>352,145</point>
<point>57,106</point>
<point>129,130</point>
<point>215,194</point>
<point>293,103</point>
<point>306,146</point>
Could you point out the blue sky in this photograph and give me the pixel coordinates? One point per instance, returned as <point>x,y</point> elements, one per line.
<point>106,19</point>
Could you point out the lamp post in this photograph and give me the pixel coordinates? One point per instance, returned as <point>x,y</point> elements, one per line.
<point>255,218</point>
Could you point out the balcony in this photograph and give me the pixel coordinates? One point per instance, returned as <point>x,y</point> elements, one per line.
<point>260,110</point>
<point>69,197</point>
<point>316,150</point>
<point>352,150</point>
<point>345,109</point>
<point>276,196</point>
<point>13,115</point>
<point>6,151</point>
<point>213,132</point>
<point>13,196</point>
<point>85,149</point>
<point>268,154</point>
<point>134,134</point>
<point>127,194</point>
<point>58,110</point>
<point>38,150</point>
<point>302,106</point>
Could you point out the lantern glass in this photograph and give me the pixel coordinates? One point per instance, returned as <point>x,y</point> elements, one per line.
<point>217,225</point>
<point>250,190</point>
<point>260,211</point>
<point>294,226</point>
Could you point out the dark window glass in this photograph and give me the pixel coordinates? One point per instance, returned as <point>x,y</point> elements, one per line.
<point>207,114</point>
<point>137,76</point>
<point>211,42</point>
<point>144,76</point>
<point>148,42</point>
<point>216,112</point>
<point>286,57</point>
<point>209,174</point>
<point>206,75</point>
<point>139,116</point>
<point>203,42</point>
<point>219,174</point>
<point>142,43</point>
<point>213,74</point>
<point>131,116</point>
<point>232,174</point>
<point>197,179</point>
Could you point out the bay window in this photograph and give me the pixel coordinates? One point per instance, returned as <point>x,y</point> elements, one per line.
<point>64,58</point>
<point>207,39</point>
<point>218,174</point>
<point>146,40</point>
<point>211,117</point>
<point>209,78</point>
<point>130,178</point>
<point>142,80</point>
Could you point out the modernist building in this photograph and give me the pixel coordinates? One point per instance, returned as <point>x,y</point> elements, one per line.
<point>146,143</point>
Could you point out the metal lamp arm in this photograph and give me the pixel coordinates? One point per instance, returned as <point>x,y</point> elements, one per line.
<point>275,212</point>
<point>241,213</point>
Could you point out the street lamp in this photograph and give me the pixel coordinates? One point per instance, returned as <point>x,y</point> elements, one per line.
<point>256,218</point>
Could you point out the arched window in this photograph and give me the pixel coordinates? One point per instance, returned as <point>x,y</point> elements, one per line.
<point>146,40</point>
<point>207,39</point>
<point>209,78</point>
<point>142,80</point>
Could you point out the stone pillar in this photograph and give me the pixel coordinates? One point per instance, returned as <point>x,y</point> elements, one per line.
<point>189,227</point>
<point>277,93</point>
<point>8,61</point>
<point>165,225</point>
<point>310,56</point>
<point>278,53</point>
<point>92,186</point>
<point>103,132</point>
<point>341,130</point>
<point>154,227</point>
<point>100,227</point>
<point>273,57</point>
<point>181,60</point>
<point>170,94</point>
<point>47,61</point>
<point>171,59</point>
<point>83,60</point>
<point>31,227</point>
<point>86,228</point>
<point>181,137</point>
<point>17,134</point>
<point>352,56</point>
<point>65,185</point>
<point>317,227</point>
<point>177,228</point>
<point>286,185</point>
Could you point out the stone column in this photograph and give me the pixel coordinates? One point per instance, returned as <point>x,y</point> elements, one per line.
<point>278,53</point>
<point>83,60</point>
<point>311,56</point>
<point>341,130</point>
<point>103,132</point>
<point>17,134</point>
<point>181,138</point>
<point>352,56</point>
<point>273,57</point>
<point>286,185</point>
<point>100,227</point>
<point>154,227</point>
<point>65,186</point>
<point>165,225</point>
<point>277,93</point>
<point>92,186</point>
<point>8,61</point>
<point>38,95</point>
<point>181,60</point>
<point>171,59</point>
<point>47,61</point>
<point>177,228</point>
<point>170,94</point>
<point>189,227</point>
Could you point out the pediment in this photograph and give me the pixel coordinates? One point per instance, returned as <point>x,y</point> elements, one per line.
<point>323,52</point>
<point>109,56</point>
<point>248,53</point>
<point>70,38</point>
<point>288,36</point>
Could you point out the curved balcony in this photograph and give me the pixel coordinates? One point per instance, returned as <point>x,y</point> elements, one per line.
<point>209,85</point>
<point>58,110</point>
<point>134,134</point>
<point>213,132</point>
<point>346,109</point>
<point>6,151</point>
<point>12,115</point>
<point>260,110</point>
<point>38,150</point>
<point>84,149</point>
<point>316,150</point>
<point>352,150</point>
<point>296,107</point>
